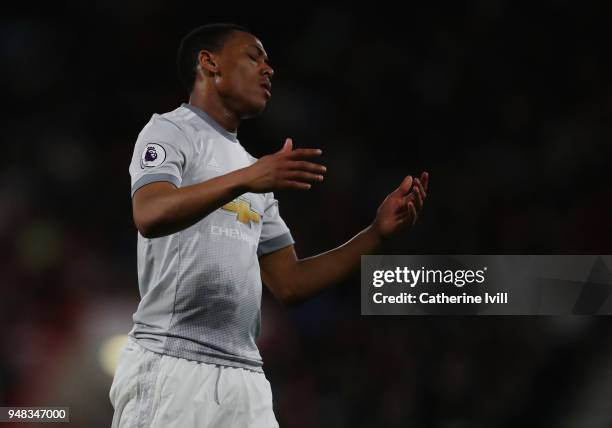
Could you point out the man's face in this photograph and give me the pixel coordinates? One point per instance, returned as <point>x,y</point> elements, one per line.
<point>244,74</point>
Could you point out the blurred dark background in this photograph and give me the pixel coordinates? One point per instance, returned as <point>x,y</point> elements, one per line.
<point>507,105</point>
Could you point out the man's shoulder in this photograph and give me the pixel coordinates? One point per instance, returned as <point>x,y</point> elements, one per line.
<point>180,117</point>
<point>180,120</point>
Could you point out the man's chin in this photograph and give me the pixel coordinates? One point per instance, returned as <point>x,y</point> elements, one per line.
<point>254,110</point>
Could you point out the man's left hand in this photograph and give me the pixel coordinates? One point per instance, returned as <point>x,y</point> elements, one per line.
<point>401,208</point>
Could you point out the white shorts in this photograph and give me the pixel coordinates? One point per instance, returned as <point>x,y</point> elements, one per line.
<point>160,391</point>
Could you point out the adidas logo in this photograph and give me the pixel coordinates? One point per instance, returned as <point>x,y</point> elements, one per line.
<point>213,163</point>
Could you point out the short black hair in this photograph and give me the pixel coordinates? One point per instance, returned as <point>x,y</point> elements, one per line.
<point>210,37</point>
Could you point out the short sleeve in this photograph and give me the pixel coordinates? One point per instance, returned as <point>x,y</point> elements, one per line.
<point>160,154</point>
<point>274,232</point>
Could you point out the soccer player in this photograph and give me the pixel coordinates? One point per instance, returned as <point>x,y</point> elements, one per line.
<point>209,232</point>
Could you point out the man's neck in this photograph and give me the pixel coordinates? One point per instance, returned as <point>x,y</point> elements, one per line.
<point>213,107</point>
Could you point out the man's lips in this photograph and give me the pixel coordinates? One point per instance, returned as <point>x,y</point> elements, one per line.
<point>267,86</point>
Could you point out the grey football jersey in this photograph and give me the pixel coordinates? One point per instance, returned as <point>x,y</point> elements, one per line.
<point>200,288</point>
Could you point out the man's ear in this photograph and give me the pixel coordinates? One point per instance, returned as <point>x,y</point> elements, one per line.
<point>207,63</point>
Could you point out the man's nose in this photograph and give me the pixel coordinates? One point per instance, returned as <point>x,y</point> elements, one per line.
<point>269,71</point>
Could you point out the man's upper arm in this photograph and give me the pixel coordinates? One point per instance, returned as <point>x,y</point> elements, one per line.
<point>278,271</point>
<point>143,203</point>
<point>160,154</point>
<point>158,164</point>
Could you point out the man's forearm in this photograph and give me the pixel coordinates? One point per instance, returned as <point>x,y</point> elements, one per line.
<point>160,211</point>
<point>172,211</point>
<point>316,273</point>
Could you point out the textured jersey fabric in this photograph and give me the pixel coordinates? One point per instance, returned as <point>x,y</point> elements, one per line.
<point>201,287</point>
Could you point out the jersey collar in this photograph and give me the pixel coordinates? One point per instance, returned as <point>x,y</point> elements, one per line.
<point>232,136</point>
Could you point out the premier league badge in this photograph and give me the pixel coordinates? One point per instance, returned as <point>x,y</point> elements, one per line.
<point>152,155</point>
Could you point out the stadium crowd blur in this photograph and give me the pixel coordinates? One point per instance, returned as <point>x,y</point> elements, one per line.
<point>508,107</point>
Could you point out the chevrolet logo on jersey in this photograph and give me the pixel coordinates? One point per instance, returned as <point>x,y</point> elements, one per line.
<point>243,210</point>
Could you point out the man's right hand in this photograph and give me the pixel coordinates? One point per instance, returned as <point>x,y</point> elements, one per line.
<point>285,169</point>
